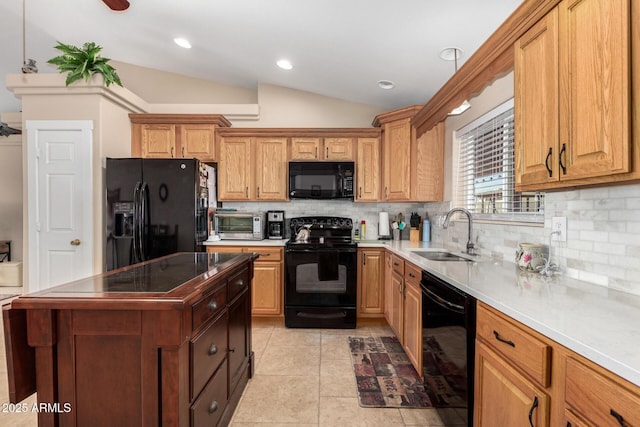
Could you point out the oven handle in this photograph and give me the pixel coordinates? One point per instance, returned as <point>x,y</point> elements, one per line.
<point>442,302</point>
<point>339,315</point>
<point>329,249</point>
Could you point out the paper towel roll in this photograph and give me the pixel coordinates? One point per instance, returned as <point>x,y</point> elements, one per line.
<point>383,224</point>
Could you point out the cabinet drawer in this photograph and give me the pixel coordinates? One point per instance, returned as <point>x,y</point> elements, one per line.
<point>412,274</point>
<point>266,254</point>
<point>238,283</point>
<point>397,264</point>
<point>600,396</point>
<point>208,307</point>
<point>527,352</point>
<point>207,352</point>
<point>208,408</point>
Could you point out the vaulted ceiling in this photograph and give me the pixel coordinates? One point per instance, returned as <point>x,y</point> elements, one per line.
<point>338,48</point>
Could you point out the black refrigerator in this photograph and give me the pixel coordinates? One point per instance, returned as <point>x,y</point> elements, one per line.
<point>154,207</point>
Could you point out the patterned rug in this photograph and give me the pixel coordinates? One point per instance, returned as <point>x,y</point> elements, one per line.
<point>386,378</point>
<point>384,375</point>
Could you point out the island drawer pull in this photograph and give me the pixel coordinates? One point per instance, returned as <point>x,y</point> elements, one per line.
<point>213,350</point>
<point>213,407</point>
<point>213,305</point>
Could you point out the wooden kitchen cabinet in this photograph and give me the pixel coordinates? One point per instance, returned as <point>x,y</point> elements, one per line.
<point>252,169</point>
<point>175,135</point>
<point>412,315</point>
<point>427,165</point>
<point>503,397</point>
<point>371,282</point>
<point>396,150</point>
<point>512,372</point>
<point>411,169</point>
<point>396,297</point>
<point>573,96</point>
<point>594,394</point>
<point>368,170</point>
<point>267,288</point>
<point>317,148</point>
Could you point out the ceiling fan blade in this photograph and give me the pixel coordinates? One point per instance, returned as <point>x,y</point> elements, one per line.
<point>118,5</point>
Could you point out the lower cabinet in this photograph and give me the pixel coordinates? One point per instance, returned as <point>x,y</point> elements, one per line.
<point>522,378</point>
<point>267,291</point>
<point>503,397</point>
<point>403,309</point>
<point>371,282</point>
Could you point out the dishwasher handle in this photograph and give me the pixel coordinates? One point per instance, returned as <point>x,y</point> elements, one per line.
<point>442,302</point>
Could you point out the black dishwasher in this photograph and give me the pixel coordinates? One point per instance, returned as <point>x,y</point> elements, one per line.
<point>448,343</point>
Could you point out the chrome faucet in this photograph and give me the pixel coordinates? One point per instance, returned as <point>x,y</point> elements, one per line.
<point>470,245</point>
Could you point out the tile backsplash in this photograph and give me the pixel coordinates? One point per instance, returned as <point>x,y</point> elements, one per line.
<point>603,230</point>
<point>603,235</point>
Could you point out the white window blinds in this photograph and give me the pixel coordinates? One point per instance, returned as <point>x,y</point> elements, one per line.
<point>486,170</point>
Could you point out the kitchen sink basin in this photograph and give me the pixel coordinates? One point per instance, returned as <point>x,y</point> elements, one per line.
<point>441,256</point>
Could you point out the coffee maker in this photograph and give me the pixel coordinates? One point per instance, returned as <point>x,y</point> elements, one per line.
<point>275,224</point>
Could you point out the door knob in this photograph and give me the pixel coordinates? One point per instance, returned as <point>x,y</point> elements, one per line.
<point>75,242</point>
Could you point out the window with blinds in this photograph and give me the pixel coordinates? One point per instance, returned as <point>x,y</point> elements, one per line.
<point>486,170</point>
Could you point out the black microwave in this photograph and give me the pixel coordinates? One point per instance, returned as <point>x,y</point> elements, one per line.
<point>321,180</point>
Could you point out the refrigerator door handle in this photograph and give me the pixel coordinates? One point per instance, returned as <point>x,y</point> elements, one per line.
<point>136,222</point>
<point>143,220</point>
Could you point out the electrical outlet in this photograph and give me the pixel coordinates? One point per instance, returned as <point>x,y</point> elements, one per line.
<point>559,228</point>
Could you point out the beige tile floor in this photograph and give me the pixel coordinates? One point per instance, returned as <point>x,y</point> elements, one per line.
<point>303,378</point>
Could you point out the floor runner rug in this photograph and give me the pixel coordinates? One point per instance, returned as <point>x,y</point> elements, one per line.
<point>384,375</point>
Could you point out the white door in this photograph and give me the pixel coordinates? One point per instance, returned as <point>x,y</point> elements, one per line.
<point>59,202</point>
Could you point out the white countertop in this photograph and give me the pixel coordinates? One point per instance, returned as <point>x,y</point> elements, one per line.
<point>600,324</point>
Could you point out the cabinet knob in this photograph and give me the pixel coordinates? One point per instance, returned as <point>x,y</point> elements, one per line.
<point>75,242</point>
<point>213,407</point>
<point>213,349</point>
<point>213,305</point>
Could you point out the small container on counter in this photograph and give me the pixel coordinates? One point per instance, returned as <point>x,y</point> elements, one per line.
<point>426,230</point>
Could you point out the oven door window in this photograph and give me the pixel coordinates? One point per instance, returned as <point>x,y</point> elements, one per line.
<point>234,224</point>
<point>321,277</point>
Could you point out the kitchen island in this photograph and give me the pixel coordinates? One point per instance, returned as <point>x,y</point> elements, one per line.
<point>164,342</point>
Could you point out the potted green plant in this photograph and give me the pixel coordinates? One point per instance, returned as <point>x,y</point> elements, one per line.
<point>82,63</point>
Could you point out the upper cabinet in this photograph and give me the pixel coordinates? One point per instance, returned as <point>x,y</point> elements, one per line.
<point>368,170</point>
<point>316,148</point>
<point>412,169</point>
<point>252,168</point>
<point>573,83</point>
<point>175,135</point>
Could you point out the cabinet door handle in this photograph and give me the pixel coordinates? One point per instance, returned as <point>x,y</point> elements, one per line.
<point>499,338</point>
<point>258,192</point>
<point>534,405</point>
<point>364,260</point>
<point>212,350</point>
<point>360,195</point>
<point>316,155</point>
<point>618,417</point>
<point>546,162</point>
<point>213,305</point>
<point>562,165</point>
<point>182,148</point>
<point>171,151</point>
<point>246,192</point>
<point>386,193</point>
<point>327,152</point>
<point>264,254</point>
<point>213,407</point>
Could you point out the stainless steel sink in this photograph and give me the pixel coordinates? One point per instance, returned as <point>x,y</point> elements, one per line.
<point>441,256</point>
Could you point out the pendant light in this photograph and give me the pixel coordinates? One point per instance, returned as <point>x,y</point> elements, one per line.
<point>452,54</point>
<point>28,65</point>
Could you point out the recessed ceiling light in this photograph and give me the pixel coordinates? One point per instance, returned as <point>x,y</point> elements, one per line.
<point>182,42</point>
<point>285,64</point>
<point>386,84</point>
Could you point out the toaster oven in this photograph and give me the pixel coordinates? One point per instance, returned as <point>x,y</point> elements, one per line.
<point>239,225</point>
